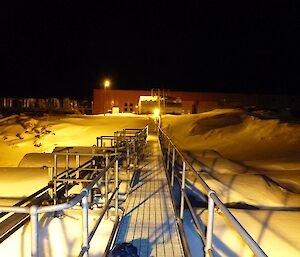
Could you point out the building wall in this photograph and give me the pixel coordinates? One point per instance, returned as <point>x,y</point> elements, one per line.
<point>192,102</point>
<point>105,99</point>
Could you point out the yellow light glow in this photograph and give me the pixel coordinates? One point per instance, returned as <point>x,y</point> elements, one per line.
<point>156,112</point>
<point>106,83</point>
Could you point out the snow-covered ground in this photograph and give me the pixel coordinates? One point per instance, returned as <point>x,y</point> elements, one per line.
<point>248,161</point>
<point>24,134</point>
<point>26,144</point>
<point>59,237</point>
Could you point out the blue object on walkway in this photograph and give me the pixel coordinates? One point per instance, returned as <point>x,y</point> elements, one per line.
<point>123,250</point>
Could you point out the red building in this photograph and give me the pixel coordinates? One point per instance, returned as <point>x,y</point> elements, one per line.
<point>192,102</point>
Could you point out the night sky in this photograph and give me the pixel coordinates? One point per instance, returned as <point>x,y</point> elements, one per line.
<point>65,48</point>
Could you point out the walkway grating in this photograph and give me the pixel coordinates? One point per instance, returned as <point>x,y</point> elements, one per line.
<point>149,220</point>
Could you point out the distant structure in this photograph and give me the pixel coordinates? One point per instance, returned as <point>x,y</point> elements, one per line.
<point>177,102</point>
<point>9,105</point>
<point>164,104</point>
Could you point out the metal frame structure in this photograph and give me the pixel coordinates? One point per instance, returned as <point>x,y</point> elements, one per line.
<point>172,155</point>
<point>131,150</point>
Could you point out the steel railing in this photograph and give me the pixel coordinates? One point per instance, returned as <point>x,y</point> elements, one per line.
<point>34,211</point>
<point>73,175</point>
<point>172,155</point>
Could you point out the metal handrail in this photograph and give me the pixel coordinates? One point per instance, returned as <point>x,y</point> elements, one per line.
<point>34,210</point>
<point>83,196</point>
<point>213,199</point>
<point>86,154</point>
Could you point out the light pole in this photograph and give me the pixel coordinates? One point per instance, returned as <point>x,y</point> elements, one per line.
<point>106,85</point>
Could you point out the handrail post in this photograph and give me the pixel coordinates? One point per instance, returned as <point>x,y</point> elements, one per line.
<point>55,182</point>
<point>117,191</point>
<point>147,131</point>
<point>67,159</point>
<point>168,157</point>
<point>50,176</point>
<point>210,224</point>
<point>34,218</point>
<point>128,157</point>
<point>77,164</point>
<point>182,191</point>
<point>128,166</point>
<point>173,166</point>
<point>106,182</point>
<point>85,225</point>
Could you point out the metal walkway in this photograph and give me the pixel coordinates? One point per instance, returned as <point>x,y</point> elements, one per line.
<point>149,220</point>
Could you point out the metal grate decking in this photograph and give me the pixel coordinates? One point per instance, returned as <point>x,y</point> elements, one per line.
<point>149,220</point>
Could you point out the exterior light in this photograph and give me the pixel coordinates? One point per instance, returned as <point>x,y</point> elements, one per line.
<point>106,83</point>
<point>156,112</point>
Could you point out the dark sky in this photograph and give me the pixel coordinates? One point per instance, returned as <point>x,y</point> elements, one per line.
<point>65,48</point>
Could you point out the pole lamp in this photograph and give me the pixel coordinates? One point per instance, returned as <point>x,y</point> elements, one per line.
<point>106,85</point>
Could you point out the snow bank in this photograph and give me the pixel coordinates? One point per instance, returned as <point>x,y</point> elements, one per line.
<point>275,231</point>
<point>27,142</point>
<point>235,135</point>
<point>239,153</point>
<point>253,164</point>
<point>23,134</point>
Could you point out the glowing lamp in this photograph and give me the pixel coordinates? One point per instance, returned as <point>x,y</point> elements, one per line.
<point>156,112</point>
<point>106,83</point>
